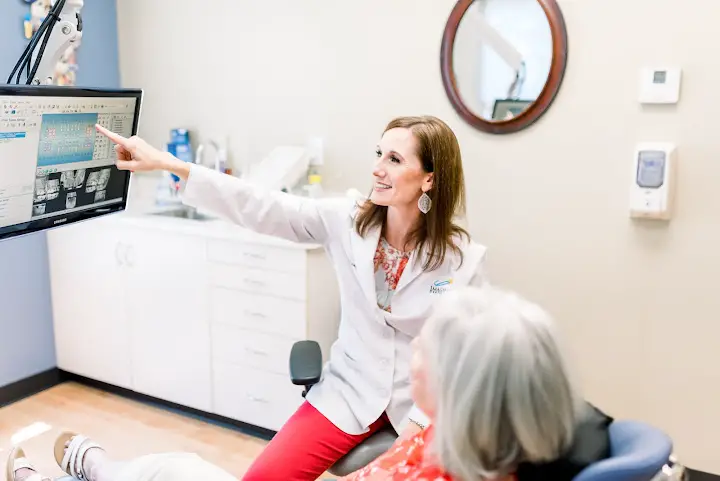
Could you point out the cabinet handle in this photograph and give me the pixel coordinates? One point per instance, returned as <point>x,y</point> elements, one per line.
<point>130,256</point>
<point>118,258</point>
<point>256,351</point>
<point>254,256</point>
<point>257,399</point>
<point>255,314</point>
<point>254,282</point>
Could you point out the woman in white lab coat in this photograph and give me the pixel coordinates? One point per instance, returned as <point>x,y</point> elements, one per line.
<point>394,255</point>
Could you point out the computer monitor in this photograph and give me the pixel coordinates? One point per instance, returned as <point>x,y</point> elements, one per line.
<point>55,168</point>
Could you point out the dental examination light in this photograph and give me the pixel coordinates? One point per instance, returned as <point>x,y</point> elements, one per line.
<point>61,28</point>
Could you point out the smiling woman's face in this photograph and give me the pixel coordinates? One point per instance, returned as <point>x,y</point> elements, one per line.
<point>399,179</point>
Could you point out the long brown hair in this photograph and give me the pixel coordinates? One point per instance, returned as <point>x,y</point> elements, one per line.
<point>439,153</point>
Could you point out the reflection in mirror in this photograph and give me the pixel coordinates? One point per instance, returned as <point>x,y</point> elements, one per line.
<point>502,55</point>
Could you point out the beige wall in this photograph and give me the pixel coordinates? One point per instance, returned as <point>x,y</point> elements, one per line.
<point>638,301</point>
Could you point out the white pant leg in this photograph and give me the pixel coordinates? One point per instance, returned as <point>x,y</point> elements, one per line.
<point>171,467</point>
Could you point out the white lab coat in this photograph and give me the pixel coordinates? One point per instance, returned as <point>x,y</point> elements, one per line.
<point>368,372</point>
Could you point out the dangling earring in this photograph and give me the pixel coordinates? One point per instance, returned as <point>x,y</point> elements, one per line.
<point>424,203</point>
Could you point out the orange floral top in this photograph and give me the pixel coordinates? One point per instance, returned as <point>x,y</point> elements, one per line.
<point>389,266</point>
<point>407,461</point>
<point>404,461</point>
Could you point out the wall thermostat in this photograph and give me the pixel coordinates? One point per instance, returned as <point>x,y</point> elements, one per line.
<point>652,190</point>
<point>660,85</point>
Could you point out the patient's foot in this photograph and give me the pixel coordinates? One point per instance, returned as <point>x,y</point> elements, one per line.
<point>23,473</point>
<point>21,468</point>
<point>92,462</point>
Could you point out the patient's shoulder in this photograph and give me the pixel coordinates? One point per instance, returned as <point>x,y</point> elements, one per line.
<point>592,439</point>
<point>591,444</point>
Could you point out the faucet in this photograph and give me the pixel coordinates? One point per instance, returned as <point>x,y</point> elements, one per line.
<point>220,156</point>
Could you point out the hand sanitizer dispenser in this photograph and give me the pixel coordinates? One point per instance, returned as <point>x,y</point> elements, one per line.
<point>653,185</point>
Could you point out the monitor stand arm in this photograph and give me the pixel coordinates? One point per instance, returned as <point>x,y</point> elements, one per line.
<point>66,32</point>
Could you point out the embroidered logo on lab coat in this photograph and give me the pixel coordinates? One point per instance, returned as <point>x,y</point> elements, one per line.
<point>440,286</point>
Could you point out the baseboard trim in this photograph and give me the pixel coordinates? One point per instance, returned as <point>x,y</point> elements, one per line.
<point>245,428</point>
<point>24,388</point>
<point>694,475</point>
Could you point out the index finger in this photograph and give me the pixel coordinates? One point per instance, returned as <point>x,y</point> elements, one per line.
<point>118,139</point>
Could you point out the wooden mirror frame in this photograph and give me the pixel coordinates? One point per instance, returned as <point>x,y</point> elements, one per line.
<point>546,97</point>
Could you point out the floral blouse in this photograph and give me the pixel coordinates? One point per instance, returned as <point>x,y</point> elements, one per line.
<point>404,461</point>
<point>407,461</point>
<point>389,265</point>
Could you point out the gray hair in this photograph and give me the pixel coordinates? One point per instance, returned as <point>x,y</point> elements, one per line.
<point>503,392</point>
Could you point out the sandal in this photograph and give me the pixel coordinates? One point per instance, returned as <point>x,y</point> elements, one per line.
<point>70,456</point>
<point>16,460</point>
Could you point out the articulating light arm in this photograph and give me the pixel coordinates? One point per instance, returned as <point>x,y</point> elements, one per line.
<point>60,29</point>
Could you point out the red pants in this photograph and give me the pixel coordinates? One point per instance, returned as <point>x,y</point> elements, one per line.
<point>306,446</point>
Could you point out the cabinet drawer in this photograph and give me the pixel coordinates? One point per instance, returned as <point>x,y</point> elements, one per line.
<point>255,397</point>
<point>257,255</point>
<point>253,349</point>
<point>257,281</point>
<point>256,312</point>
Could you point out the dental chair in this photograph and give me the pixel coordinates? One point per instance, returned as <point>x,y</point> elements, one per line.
<point>305,370</point>
<point>638,452</point>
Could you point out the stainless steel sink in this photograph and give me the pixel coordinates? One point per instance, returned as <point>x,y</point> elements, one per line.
<point>184,213</point>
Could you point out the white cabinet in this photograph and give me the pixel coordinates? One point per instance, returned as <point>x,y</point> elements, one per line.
<point>179,310</point>
<point>265,298</point>
<point>92,335</point>
<point>130,308</point>
<point>168,313</point>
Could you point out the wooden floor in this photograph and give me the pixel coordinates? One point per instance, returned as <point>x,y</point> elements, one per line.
<point>125,428</point>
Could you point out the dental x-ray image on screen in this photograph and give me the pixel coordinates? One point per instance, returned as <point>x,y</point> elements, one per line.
<point>60,170</point>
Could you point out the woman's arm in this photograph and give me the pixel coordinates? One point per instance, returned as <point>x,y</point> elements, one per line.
<point>295,218</point>
<point>175,166</point>
<point>417,421</point>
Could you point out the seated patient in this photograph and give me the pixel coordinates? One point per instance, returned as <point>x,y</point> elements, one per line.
<point>488,372</point>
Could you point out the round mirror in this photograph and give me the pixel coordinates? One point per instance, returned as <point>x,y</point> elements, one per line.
<point>503,61</point>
